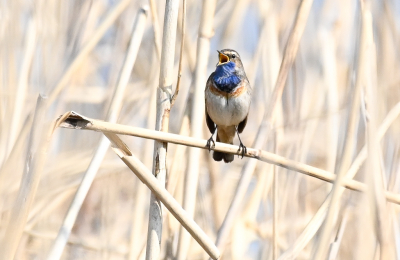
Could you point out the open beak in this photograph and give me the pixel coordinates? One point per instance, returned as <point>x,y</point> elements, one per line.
<point>222,58</point>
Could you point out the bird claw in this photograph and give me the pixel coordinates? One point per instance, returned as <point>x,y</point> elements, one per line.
<point>242,150</point>
<point>209,141</point>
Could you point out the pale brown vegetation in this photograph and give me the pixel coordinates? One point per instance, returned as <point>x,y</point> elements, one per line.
<point>332,113</point>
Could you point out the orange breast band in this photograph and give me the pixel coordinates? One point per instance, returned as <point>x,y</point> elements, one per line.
<point>238,92</point>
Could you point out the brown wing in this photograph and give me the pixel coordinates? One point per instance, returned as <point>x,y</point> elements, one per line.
<point>209,80</point>
<point>242,125</point>
<point>210,124</point>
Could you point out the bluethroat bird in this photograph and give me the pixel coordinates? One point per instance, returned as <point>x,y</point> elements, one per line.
<point>228,97</point>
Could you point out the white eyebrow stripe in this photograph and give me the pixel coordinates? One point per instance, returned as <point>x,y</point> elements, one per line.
<point>232,52</point>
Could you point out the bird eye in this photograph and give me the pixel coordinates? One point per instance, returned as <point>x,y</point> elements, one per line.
<point>233,56</point>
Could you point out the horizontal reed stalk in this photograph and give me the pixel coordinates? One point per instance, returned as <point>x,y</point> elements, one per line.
<point>76,121</point>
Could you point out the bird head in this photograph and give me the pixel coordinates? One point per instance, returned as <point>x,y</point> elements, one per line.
<point>227,56</point>
<point>229,71</point>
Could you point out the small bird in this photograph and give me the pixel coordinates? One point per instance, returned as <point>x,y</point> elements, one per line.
<point>228,97</point>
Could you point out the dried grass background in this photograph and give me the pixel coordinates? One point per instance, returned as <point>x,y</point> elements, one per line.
<point>39,41</point>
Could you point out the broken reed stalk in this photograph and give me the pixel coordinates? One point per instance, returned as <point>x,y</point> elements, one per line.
<point>112,116</point>
<point>87,48</point>
<point>166,198</point>
<point>196,120</point>
<point>164,91</point>
<point>38,143</point>
<point>75,121</point>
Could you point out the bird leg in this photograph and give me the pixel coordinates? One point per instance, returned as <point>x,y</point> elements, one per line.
<point>211,140</point>
<point>242,149</point>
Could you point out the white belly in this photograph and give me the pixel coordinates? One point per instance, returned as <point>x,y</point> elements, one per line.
<point>227,111</point>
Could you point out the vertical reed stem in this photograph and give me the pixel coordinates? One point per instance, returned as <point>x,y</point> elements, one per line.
<point>162,122</point>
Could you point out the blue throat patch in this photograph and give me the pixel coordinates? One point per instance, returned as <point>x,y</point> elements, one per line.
<point>225,78</point>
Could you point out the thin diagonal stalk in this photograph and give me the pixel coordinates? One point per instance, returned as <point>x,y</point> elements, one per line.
<point>159,190</point>
<point>22,85</point>
<point>334,248</point>
<point>178,83</point>
<point>289,56</point>
<point>89,46</point>
<point>37,146</point>
<point>246,174</point>
<point>363,65</point>
<point>112,116</point>
<point>196,120</point>
<point>314,224</point>
<point>156,28</point>
<point>362,155</point>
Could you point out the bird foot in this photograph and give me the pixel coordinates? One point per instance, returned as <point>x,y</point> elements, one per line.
<point>242,150</point>
<point>209,141</point>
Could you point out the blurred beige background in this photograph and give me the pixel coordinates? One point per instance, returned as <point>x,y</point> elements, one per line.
<point>41,39</point>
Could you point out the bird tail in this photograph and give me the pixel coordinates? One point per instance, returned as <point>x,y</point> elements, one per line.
<point>219,156</point>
